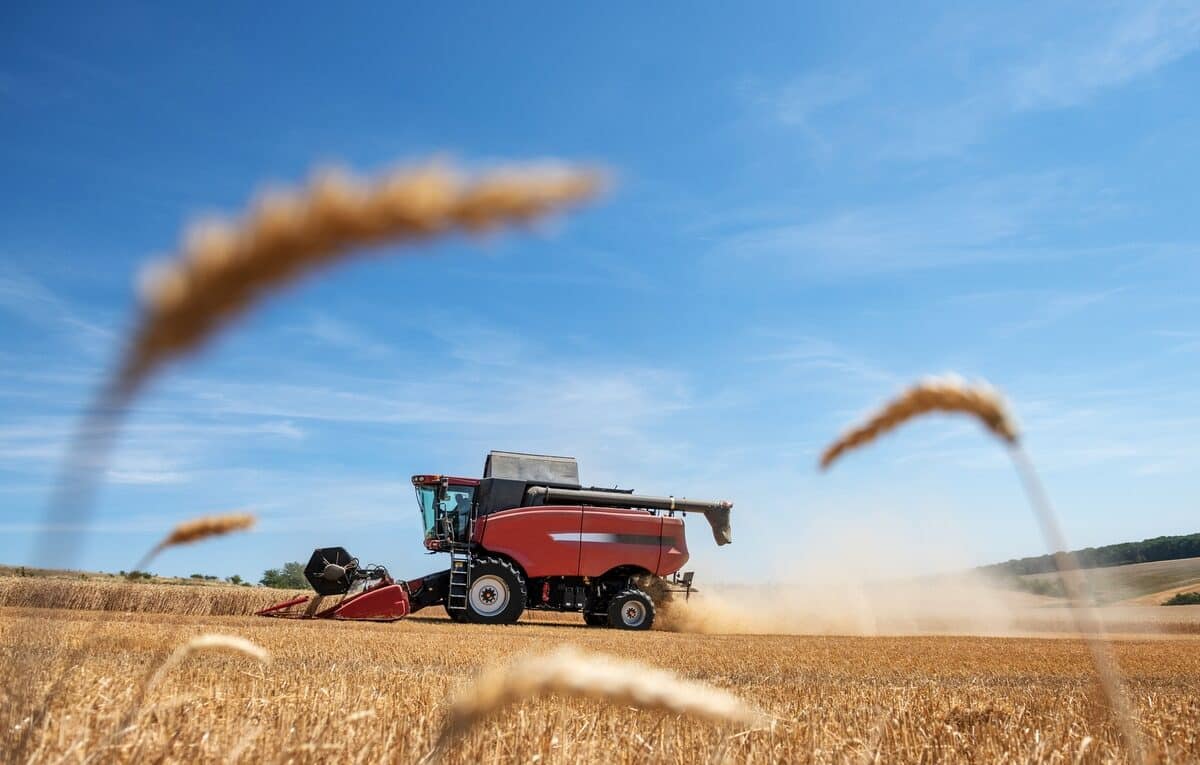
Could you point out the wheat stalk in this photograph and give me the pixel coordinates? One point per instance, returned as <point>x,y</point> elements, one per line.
<point>951,394</point>
<point>199,528</point>
<point>570,672</point>
<point>207,642</point>
<point>225,268</point>
<point>935,394</point>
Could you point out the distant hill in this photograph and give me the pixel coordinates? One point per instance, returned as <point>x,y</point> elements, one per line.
<point>1133,573</point>
<point>1147,584</point>
<point>1125,553</point>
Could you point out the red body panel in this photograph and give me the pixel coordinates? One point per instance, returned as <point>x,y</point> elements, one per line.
<point>674,547</point>
<point>613,537</point>
<point>381,604</point>
<point>556,540</point>
<point>543,540</point>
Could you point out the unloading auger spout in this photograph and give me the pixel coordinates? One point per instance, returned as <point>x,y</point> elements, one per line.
<point>716,512</point>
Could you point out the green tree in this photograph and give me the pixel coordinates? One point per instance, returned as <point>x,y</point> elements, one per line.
<point>290,577</point>
<point>235,579</point>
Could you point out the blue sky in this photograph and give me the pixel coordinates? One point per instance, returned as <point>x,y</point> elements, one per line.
<point>814,207</point>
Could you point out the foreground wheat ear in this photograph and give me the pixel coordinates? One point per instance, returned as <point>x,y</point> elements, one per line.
<point>936,394</point>
<point>206,642</point>
<point>953,394</point>
<point>224,268</point>
<point>570,672</point>
<point>199,528</point>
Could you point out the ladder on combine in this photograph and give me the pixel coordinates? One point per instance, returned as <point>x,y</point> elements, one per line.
<point>460,572</point>
<point>460,579</point>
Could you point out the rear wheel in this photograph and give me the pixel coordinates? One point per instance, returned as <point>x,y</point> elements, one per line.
<point>631,609</point>
<point>497,592</point>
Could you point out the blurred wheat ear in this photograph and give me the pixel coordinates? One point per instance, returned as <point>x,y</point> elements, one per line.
<point>935,394</point>
<point>570,672</point>
<point>206,642</point>
<point>981,401</point>
<point>225,268</point>
<point>196,529</point>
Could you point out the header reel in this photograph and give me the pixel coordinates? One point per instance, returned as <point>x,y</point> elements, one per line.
<point>333,571</point>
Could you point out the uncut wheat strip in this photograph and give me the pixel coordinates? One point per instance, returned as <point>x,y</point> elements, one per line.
<point>196,529</point>
<point>570,672</point>
<point>952,394</point>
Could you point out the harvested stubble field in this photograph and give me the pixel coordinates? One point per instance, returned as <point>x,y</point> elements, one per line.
<point>361,692</point>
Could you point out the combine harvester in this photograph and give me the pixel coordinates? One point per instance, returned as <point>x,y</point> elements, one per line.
<point>526,535</point>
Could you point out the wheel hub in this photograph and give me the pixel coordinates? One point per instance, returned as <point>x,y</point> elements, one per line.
<point>633,614</point>
<point>489,595</point>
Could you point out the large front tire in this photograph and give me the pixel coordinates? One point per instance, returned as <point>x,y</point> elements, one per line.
<point>497,592</point>
<point>631,609</point>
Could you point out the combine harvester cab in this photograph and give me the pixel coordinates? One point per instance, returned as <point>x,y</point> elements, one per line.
<point>525,536</point>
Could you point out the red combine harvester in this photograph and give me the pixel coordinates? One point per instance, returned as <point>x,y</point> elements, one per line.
<point>526,535</point>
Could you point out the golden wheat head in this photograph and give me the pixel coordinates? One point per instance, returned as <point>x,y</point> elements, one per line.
<point>227,267</point>
<point>200,528</point>
<point>207,526</point>
<point>569,672</point>
<point>937,394</point>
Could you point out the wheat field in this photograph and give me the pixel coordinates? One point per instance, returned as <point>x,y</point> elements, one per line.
<point>364,692</point>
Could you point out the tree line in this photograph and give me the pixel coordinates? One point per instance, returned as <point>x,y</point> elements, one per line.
<point>1145,551</point>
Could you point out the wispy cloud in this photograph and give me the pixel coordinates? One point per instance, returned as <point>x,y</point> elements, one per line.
<point>1185,341</point>
<point>1133,42</point>
<point>1001,219</point>
<point>1037,308</point>
<point>338,334</point>
<point>840,365</point>
<point>1027,61</point>
<point>34,303</point>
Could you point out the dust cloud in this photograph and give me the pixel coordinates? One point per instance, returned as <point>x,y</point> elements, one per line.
<point>888,579</point>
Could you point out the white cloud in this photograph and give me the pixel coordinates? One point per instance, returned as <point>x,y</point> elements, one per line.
<point>37,305</point>
<point>1038,308</point>
<point>336,333</point>
<point>1006,218</point>
<point>811,354</point>
<point>1140,39</point>
<point>977,72</point>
